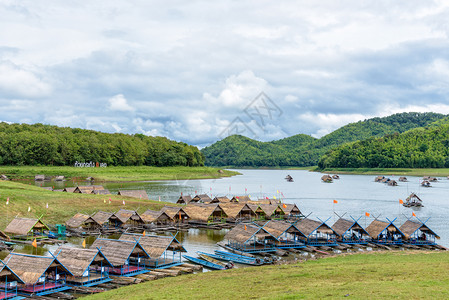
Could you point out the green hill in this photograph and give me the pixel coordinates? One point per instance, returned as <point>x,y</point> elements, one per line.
<point>38,144</point>
<point>303,150</point>
<point>425,147</point>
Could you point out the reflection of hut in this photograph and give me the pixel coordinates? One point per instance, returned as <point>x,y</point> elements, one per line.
<point>316,233</point>
<point>88,266</point>
<point>8,282</point>
<point>291,211</point>
<point>379,178</point>
<point>413,201</point>
<point>125,256</point>
<point>102,218</point>
<point>176,213</point>
<point>155,217</point>
<point>250,238</point>
<point>403,179</point>
<point>202,198</point>
<point>69,189</point>
<point>206,213</point>
<point>241,199</point>
<point>164,251</point>
<point>417,233</point>
<point>77,220</point>
<point>326,178</point>
<point>127,217</point>
<point>140,194</point>
<point>42,275</point>
<point>385,233</point>
<point>26,228</point>
<point>184,199</point>
<point>392,183</point>
<point>350,232</point>
<point>286,234</point>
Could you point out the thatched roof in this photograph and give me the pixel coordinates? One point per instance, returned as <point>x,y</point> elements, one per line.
<point>174,211</point>
<point>118,251</point>
<point>31,267</point>
<point>184,199</point>
<point>344,225</point>
<point>240,199</point>
<point>124,215</point>
<point>77,220</point>
<point>151,216</point>
<point>101,192</point>
<point>326,178</point>
<point>102,217</point>
<point>204,198</point>
<point>220,200</point>
<point>69,189</point>
<point>290,208</point>
<point>232,209</point>
<point>277,228</point>
<point>39,177</point>
<point>4,236</point>
<point>6,271</point>
<point>21,226</point>
<point>78,260</point>
<point>155,245</point>
<point>202,212</point>
<point>88,189</point>
<point>140,194</point>
<point>410,227</point>
<point>376,227</point>
<point>270,209</point>
<point>242,233</point>
<point>309,226</point>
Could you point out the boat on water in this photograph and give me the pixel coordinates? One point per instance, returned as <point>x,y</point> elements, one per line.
<point>413,201</point>
<point>426,183</point>
<point>289,178</point>
<point>234,258</point>
<point>209,258</point>
<point>204,263</point>
<point>244,258</point>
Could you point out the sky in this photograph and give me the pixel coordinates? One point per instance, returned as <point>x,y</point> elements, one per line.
<point>197,71</point>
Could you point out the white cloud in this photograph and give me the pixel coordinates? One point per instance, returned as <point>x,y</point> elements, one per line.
<point>119,103</point>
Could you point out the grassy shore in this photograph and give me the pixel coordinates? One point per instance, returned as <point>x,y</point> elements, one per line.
<point>61,206</point>
<point>380,275</point>
<point>141,173</point>
<point>388,171</point>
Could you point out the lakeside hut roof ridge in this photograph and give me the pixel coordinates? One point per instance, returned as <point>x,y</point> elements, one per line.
<point>4,236</point>
<point>202,198</point>
<point>125,214</point>
<point>101,217</point>
<point>4,266</point>
<point>141,194</point>
<point>117,251</point>
<point>232,210</point>
<point>244,198</point>
<point>78,260</point>
<point>341,226</point>
<point>153,215</point>
<point>77,220</point>
<point>307,226</point>
<point>241,233</point>
<point>31,267</point>
<point>184,199</point>
<point>173,211</point>
<point>202,212</point>
<point>410,227</point>
<point>155,245</point>
<point>278,228</point>
<point>21,226</point>
<point>376,227</point>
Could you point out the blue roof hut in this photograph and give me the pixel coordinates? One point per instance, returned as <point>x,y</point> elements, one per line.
<point>350,232</point>
<point>316,233</point>
<point>418,233</point>
<point>385,233</point>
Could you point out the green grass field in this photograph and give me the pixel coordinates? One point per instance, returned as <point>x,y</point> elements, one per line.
<point>140,173</point>
<point>379,275</point>
<point>61,206</point>
<point>377,171</point>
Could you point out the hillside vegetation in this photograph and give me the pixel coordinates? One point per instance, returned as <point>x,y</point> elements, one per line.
<point>303,150</point>
<point>23,144</point>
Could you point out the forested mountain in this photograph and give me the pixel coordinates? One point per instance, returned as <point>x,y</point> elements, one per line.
<point>303,150</point>
<point>23,144</point>
<point>426,147</point>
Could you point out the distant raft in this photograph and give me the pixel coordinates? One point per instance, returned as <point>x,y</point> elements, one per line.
<point>413,201</point>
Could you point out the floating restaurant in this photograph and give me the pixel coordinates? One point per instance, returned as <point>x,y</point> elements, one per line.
<point>25,228</point>
<point>250,238</point>
<point>385,233</point>
<point>350,232</point>
<point>418,233</point>
<point>287,234</point>
<point>316,233</point>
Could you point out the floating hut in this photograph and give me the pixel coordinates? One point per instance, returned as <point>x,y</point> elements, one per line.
<point>335,176</point>
<point>165,251</point>
<point>326,178</point>
<point>88,189</point>
<point>250,238</point>
<point>392,183</point>
<point>220,200</point>
<point>402,179</point>
<point>126,217</point>
<point>89,267</point>
<point>418,233</point>
<point>286,234</point>
<point>258,211</point>
<point>102,218</point>
<point>266,200</point>
<point>426,183</point>
<point>125,256</point>
<point>8,282</point>
<point>431,179</point>
<point>291,211</point>
<point>206,213</point>
<point>176,213</point>
<point>241,199</point>
<point>272,212</point>
<point>316,233</point>
<point>155,217</point>
<point>385,233</point>
<point>232,210</point>
<point>77,220</point>
<point>413,201</point>
<point>69,189</point>
<point>184,199</point>
<point>42,275</point>
<point>350,232</point>
<point>26,228</point>
<point>140,194</point>
<point>202,198</point>
<point>101,192</point>
<point>379,178</point>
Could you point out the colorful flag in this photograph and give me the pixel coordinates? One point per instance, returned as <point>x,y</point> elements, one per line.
<point>7,201</point>
<point>246,190</point>
<point>29,208</point>
<point>179,215</point>
<point>400,201</point>
<point>413,214</point>
<point>123,202</point>
<point>274,197</point>
<point>335,201</point>
<point>144,233</point>
<point>367,214</point>
<point>159,198</point>
<point>245,226</point>
<point>104,200</point>
<point>284,205</point>
<point>196,192</point>
<point>34,243</point>
<point>84,243</point>
<point>46,205</point>
<point>109,200</point>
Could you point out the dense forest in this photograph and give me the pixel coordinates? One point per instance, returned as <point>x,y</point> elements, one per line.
<point>38,144</point>
<point>303,150</point>
<point>426,147</point>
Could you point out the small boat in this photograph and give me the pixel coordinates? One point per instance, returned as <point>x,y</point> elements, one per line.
<point>204,263</point>
<point>426,183</point>
<point>207,257</point>
<point>235,258</point>
<point>413,201</point>
<point>289,178</point>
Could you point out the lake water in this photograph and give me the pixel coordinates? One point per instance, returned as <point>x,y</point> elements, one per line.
<point>355,194</point>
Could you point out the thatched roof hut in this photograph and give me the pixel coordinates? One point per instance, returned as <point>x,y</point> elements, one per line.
<point>376,228</point>
<point>232,210</point>
<point>88,189</point>
<point>403,179</point>
<point>326,178</point>
<point>153,216</point>
<point>140,194</point>
<point>7,274</point>
<point>118,252</point>
<point>223,199</point>
<point>175,212</point>
<point>411,229</point>
<point>279,228</point>
<point>240,199</point>
<point>202,198</point>
<point>101,192</point>
<point>102,217</point>
<point>4,236</point>
<point>155,245</point>
<point>379,178</point>
<point>272,210</point>
<point>244,233</point>
<point>69,189</point>
<point>77,220</point>
<point>392,183</point>
<point>24,226</point>
<point>266,200</point>
<point>184,199</point>
<point>128,216</point>
<point>205,212</point>
<point>343,227</point>
<point>78,260</point>
<point>308,227</point>
<point>290,209</point>
<point>30,268</point>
